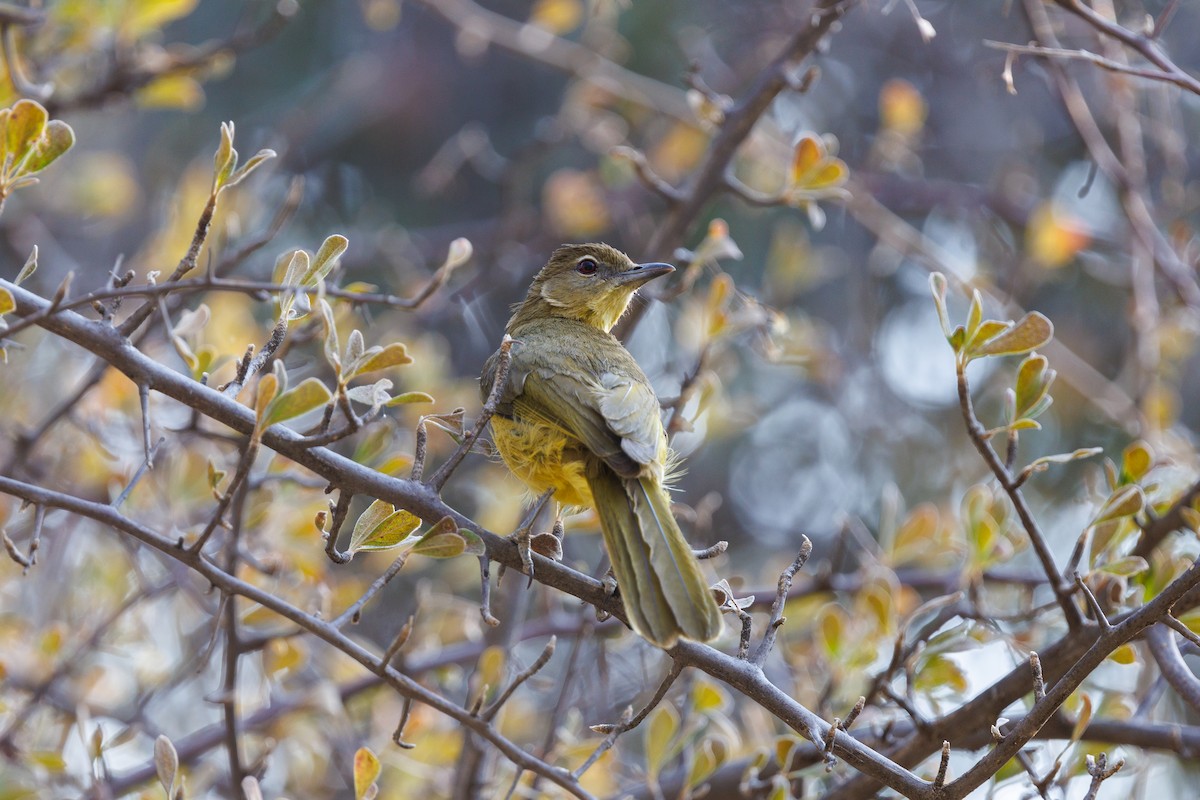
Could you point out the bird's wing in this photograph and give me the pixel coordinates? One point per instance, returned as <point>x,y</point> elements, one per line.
<point>610,409</point>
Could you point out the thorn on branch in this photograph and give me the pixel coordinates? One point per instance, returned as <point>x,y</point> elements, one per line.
<point>340,511</point>
<point>1039,683</point>
<point>853,715</point>
<point>420,451</point>
<point>485,600</point>
<point>148,463</point>
<point>940,780</point>
<point>401,639</point>
<point>1093,603</point>
<point>712,552</point>
<point>405,713</point>
<point>777,618</point>
<point>1183,630</point>
<point>29,559</point>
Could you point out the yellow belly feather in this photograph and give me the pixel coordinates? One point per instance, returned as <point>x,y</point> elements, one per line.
<point>543,457</point>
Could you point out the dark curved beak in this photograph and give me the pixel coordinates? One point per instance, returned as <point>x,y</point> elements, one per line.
<point>641,273</point>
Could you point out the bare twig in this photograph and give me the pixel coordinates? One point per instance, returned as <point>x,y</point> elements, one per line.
<point>629,720</point>
<point>439,478</point>
<point>1040,546</point>
<point>777,618</point>
<point>524,675</point>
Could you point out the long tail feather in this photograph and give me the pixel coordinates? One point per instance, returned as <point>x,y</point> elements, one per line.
<point>664,591</point>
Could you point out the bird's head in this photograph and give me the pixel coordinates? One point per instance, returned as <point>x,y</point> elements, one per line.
<point>592,283</point>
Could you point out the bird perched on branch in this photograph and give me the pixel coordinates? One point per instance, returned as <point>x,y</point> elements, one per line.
<point>576,414</point>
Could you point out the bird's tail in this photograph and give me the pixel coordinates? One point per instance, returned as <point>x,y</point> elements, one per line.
<point>659,577</point>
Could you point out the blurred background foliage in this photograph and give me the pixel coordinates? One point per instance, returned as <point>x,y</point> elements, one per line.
<point>819,396</point>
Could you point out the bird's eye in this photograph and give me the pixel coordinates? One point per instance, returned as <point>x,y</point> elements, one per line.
<point>586,266</point>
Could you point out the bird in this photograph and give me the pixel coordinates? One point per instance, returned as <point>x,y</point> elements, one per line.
<point>577,415</point>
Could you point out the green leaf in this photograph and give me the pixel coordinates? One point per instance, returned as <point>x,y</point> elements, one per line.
<point>660,732</point>
<point>331,249</point>
<point>56,140</point>
<point>1039,464</point>
<point>1125,502</point>
<point>375,394</point>
<point>974,314</point>
<point>1033,382</point>
<point>332,349</point>
<point>1029,333</point>
<point>7,303</point>
<point>25,125</point>
<point>394,355</point>
<point>937,284</point>
<point>1126,567</point>
<point>987,330</point>
<point>31,265</point>
<point>355,347</point>
<point>443,540</point>
<point>381,527</point>
<point>441,545</point>
<point>310,394</point>
<point>476,547</point>
<point>409,397</point>
<point>240,174</point>
<point>225,159</point>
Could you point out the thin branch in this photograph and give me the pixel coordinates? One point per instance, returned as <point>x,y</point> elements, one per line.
<point>354,610</point>
<point>629,720</point>
<point>239,477</point>
<point>1040,546</point>
<point>1084,55</point>
<point>146,464</point>
<point>1142,44</point>
<point>524,675</point>
<point>439,478</point>
<point>777,618</point>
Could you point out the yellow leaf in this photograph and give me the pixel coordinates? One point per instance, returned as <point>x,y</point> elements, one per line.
<point>708,696</point>
<point>574,204</point>
<point>491,666</point>
<point>902,109</point>
<point>1125,654</point>
<point>366,770</point>
<point>674,155</point>
<point>1052,238</point>
<point>181,92</point>
<point>283,654</point>
<point>660,732</point>
<point>810,151</point>
<point>145,16</point>
<point>557,16</point>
